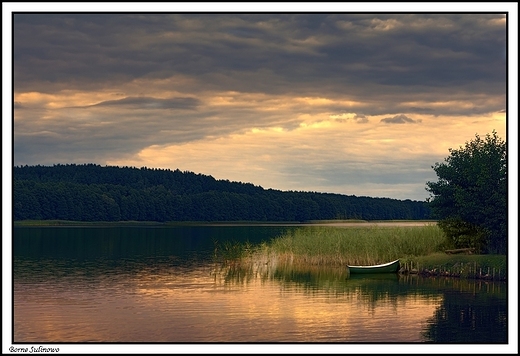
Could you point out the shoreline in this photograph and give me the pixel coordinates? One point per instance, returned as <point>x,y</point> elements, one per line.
<point>339,223</point>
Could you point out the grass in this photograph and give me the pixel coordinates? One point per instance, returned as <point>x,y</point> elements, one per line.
<point>419,248</point>
<point>356,246</point>
<point>465,266</point>
<point>231,251</point>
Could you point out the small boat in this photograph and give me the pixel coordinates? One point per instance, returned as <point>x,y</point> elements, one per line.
<point>390,267</point>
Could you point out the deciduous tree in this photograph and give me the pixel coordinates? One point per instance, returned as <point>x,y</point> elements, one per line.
<point>470,197</point>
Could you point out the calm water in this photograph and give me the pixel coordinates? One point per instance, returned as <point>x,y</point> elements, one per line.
<point>159,284</point>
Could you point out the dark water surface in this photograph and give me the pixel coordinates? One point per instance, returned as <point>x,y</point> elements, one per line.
<point>160,284</point>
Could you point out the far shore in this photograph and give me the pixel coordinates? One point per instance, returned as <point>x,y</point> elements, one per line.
<point>337,223</point>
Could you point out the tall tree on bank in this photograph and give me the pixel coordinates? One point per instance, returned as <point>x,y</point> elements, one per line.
<point>470,197</point>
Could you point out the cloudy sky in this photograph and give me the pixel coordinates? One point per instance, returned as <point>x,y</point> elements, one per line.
<point>351,103</point>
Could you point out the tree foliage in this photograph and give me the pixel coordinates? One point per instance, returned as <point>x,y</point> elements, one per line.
<point>94,193</point>
<point>470,197</point>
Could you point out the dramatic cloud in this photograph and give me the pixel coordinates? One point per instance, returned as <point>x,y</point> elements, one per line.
<point>284,100</point>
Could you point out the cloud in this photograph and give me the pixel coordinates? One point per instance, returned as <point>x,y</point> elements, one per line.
<point>358,118</point>
<point>329,156</point>
<point>143,87</point>
<point>152,103</point>
<point>361,119</point>
<point>281,53</point>
<point>399,119</point>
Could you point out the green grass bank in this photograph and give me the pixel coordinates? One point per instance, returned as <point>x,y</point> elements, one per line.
<point>419,248</point>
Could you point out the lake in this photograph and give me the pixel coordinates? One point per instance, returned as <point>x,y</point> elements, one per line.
<point>160,284</point>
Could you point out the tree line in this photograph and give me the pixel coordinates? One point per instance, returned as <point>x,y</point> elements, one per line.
<point>91,192</point>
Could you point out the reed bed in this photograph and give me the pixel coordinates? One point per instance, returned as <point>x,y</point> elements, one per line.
<point>337,246</point>
<point>324,248</point>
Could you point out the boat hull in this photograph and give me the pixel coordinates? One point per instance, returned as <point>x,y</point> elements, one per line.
<point>390,267</point>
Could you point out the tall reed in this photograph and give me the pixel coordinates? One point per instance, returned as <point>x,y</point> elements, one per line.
<point>320,245</point>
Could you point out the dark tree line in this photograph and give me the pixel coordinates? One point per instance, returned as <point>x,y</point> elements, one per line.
<point>95,193</point>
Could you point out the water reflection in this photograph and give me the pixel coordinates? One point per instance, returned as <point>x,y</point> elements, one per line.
<point>127,242</point>
<point>170,291</point>
<point>447,310</point>
<point>470,317</point>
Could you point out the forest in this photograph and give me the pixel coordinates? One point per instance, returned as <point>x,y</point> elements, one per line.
<point>90,192</point>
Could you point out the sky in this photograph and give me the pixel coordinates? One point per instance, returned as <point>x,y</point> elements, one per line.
<point>339,102</point>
